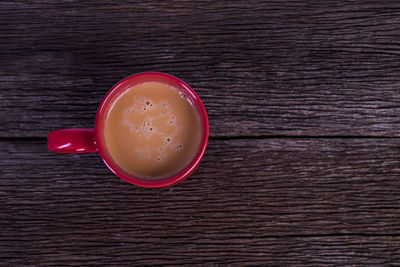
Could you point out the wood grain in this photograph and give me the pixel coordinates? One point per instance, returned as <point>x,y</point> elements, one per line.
<point>255,201</point>
<point>303,163</point>
<point>312,68</point>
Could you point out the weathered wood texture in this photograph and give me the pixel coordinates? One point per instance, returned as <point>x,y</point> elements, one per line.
<point>276,201</point>
<point>272,68</point>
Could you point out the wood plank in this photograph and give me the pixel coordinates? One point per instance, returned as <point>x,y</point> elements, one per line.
<point>274,68</point>
<point>85,247</point>
<point>276,201</point>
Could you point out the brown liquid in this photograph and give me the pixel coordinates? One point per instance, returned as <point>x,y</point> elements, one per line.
<point>152,131</point>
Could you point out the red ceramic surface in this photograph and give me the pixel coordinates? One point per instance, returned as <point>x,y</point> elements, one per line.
<point>80,140</point>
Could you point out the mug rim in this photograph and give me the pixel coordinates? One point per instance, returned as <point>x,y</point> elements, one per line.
<point>100,118</point>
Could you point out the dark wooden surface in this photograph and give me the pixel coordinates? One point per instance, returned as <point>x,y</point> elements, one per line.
<point>302,166</point>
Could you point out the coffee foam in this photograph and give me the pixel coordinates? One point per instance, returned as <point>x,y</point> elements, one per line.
<point>147,130</point>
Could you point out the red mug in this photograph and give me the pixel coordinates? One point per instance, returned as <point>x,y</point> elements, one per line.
<point>79,140</point>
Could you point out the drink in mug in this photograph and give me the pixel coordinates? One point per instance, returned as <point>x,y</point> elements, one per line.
<point>152,130</point>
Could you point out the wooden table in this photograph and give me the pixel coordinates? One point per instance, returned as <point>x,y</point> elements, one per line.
<point>302,166</point>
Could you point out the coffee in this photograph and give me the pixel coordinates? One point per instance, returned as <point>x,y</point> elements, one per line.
<point>152,131</point>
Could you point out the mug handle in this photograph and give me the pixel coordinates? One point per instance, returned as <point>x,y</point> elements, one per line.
<point>74,140</point>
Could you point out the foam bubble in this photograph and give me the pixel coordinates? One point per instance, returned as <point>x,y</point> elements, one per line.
<point>139,153</point>
<point>149,103</point>
<point>143,153</point>
<point>128,110</point>
<point>164,104</point>
<point>145,104</point>
<point>167,140</point>
<point>161,155</point>
<point>178,146</point>
<point>171,120</point>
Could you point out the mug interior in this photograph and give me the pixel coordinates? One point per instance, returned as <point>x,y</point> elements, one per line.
<point>112,96</point>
